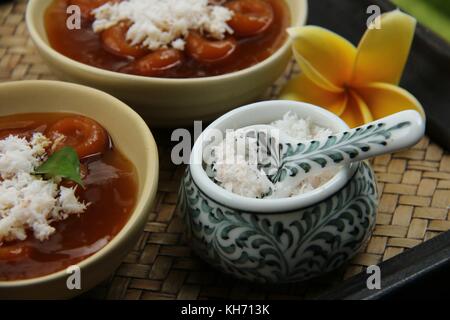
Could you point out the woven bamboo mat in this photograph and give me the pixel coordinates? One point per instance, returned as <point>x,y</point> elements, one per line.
<point>414,207</point>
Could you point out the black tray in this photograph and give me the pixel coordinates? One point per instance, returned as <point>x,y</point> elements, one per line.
<point>423,271</point>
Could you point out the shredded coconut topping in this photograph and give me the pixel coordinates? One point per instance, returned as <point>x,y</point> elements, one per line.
<point>235,173</point>
<point>159,24</point>
<point>17,155</point>
<point>27,202</point>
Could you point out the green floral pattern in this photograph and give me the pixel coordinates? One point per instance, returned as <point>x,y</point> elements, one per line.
<point>282,247</point>
<point>312,156</point>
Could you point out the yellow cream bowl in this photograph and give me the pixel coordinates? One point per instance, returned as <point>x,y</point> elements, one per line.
<point>130,135</point>
<point>169,102</point>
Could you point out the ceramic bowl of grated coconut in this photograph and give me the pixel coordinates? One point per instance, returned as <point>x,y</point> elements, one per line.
<point>234,221</point>
<point>170,101</point>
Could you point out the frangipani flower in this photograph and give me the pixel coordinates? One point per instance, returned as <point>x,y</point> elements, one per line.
<point>358,84</point>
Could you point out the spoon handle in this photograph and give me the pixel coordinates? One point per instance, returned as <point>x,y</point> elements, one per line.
<point>385,135</point>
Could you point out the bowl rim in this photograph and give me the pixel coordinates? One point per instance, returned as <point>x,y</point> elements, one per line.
<point>144,202</point>
<point>282,205</point>
<point>31,23</point>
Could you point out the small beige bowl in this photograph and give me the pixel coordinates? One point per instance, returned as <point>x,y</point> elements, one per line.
<point>137,144</point>
<point>169,102</point>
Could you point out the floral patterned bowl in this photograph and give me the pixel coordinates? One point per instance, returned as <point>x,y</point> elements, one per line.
<point>278,240</point>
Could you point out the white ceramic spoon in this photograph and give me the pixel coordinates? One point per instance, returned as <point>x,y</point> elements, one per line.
<point>287,161</point>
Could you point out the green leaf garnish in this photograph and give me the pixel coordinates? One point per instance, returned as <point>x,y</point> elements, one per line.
<point>64,163</point>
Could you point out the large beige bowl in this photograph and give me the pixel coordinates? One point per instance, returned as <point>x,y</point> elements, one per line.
<point>169,102</point>
<point>130,135</point>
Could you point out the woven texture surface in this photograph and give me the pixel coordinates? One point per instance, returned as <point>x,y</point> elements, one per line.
<point>414,206</point>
